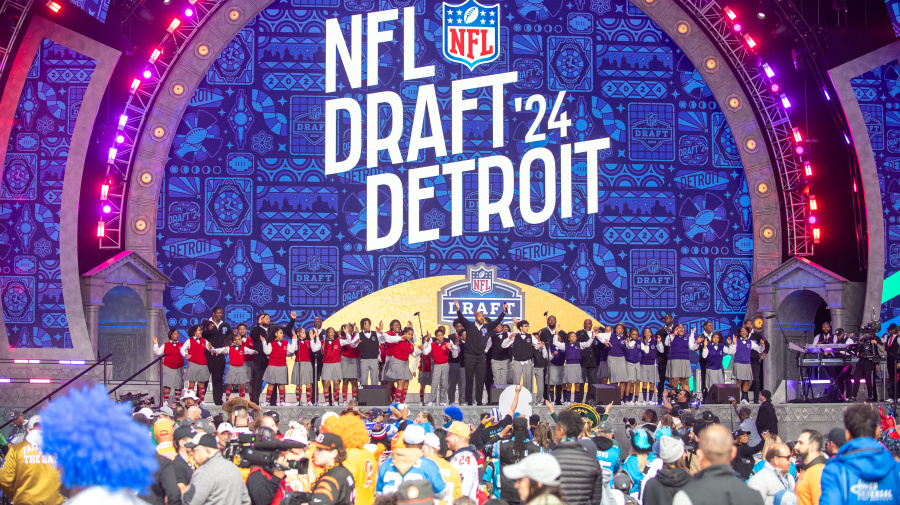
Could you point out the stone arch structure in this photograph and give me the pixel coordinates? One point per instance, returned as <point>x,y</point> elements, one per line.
<point>782,289</point>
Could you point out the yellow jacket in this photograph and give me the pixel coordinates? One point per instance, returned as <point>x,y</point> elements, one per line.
<point>809,488</point>
<point>364,468</point>
<point>451,477</point>
<point>30,477</point>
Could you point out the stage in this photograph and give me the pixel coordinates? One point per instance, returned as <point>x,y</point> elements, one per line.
<point>792,418</point>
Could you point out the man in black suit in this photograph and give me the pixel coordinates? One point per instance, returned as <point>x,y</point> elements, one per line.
<point>548,337</point>
<point>218,333</point>
<point>477,344</point>
<point>892,348</point>
<point>264,330</point>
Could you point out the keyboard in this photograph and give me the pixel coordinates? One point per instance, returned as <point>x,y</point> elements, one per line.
<point>827,361</point>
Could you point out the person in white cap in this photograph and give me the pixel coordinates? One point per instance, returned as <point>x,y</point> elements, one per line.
<point>409,463</point>
<point>673,475</point>
<point>537,479</point>
<point>224,433</point>
<point>432,450</point>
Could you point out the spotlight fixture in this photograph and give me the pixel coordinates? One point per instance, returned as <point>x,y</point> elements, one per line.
<point>174,25</point>
<point>785,102</point>
<point>101,229</point>
<point>750,42</point>
<point>817,235</point>
<point>813,205</point>
<point>730,13</point>
<point>798,137</point>
<point>768,70</point>
<point>54,6</point>
<point>104,190</point>
<point>807,168</point>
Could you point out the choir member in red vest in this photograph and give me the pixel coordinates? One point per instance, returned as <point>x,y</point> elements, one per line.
<point>349,362</point>
<point>398,362</point>
<point>277,373</point>
<point>440,350</point>
<point>173,364</point>
<point>237,377</point>
<point>195,349</point>
<point>303,365</point>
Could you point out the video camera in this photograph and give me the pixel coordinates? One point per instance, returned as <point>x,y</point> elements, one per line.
<point>137,400</point>
<point>247,450</point>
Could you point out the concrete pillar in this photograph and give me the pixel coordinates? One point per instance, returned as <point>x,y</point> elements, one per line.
<point>153,316</point>
<point>773,365</point>
<point>838,318</point>
<point>92,318</point>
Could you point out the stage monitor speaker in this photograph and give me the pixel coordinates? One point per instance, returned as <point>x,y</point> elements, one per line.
<point>495,392</point>
<point>719,393</point>
<point>374,396</point>
<point>605,393</point>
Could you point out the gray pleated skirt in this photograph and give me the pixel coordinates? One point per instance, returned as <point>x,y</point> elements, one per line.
<point>556,374</point>
<point>633,371</point>
<point>603,370</point>
<point>173,378</point>
<point>617,371</point>
<point>714,377</point>
<point>196,373</point>
<point>331,372</point>
<point>276,375</point>
<point>349,368</point>
<point>649,373</point>
<point>237,375</point>
<point>424,379</point>
<point>742,372</point>
<point>572,373</point>
<point>396,370</point>
<point>303,373</point>
<point>679,368</point>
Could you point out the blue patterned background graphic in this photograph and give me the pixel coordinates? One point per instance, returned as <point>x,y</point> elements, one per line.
<point>246,209</point>
<point>31,194</point>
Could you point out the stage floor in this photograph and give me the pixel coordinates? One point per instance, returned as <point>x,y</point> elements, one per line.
<point>792,418</point>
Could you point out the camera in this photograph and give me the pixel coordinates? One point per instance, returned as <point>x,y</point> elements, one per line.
<point>248,450</point>
<point>629,421</point>
<point>137,400</point>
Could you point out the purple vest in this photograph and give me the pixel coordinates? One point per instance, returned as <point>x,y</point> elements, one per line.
<point>633,355</point>
<point>742,354</point>
<point>679,348</point>
<point>618,346</point>
<point>714,356</point>
<point>559,359</point>
<point>600,352</point>
<point>649,358</point>
<point>573,354</point>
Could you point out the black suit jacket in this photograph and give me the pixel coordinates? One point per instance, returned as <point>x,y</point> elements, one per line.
<point>218,337</point>
<point>258,333</point>
<point>476,341</point>
<point>766,420</point>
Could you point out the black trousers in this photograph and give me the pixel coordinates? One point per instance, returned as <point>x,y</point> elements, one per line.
<point>475,370</point>
<point>757,384</point>
<point>256,378</point>
<point>865,369</point>
<point>216,365</point>
<point>589,375</point>
<point>891,378</point>
<point>703,384</point>
<point>662,363</point>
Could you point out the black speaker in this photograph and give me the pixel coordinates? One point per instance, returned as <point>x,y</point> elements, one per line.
<point>374,396</point>
<point>495,392</point>
<point>719,393</point>
<point>605,393</point>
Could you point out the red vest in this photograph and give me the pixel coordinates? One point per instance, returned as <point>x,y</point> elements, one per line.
<point>331,351</point>
<point>440,352</point>
<point>278,356</point>
<point>402,350</point>
<point>348,351</point>
<point>304,352</point>
<point>248,343</point>
<point>197,352</point>
<point>389,346</point>
<point>425,363</point>
<point>172,353</point>
<point>236,355</point>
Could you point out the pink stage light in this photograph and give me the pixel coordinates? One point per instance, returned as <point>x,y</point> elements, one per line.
<point>40,381</point>
<point>104,190</point>
<point>67,362</point>
<point>27,361</point>
<point>813,219</point>
<point>120,139</point>
<point>107,209</point>
<point>155,55</point>
<point>785,102</point>
<point>737,27</point>
<point>101,229</point>
<point>147,74</point>
<point>798,137</point>
<point>768,70</point>
<point>807,167</point>
<point>730,13</point>
<point>174,25</point>
<point>188,12</point>
<point>135,84</point>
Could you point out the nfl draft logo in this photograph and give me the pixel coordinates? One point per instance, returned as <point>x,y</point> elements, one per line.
<point>482,280</point>
<point>471,33</point>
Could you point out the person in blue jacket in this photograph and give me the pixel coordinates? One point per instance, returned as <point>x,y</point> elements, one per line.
<point>409,463</point>
<point>862,471</point>
<point>641,455</point>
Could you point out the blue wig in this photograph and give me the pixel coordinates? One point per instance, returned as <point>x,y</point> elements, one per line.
<point>454,413</point>
<point>96,442</point>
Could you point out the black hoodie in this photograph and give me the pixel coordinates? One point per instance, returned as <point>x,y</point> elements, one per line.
<point>661,489</point>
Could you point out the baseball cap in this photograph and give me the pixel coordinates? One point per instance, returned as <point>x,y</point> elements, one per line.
<point>204,440</point>
<point>328,441</point>
<point>767,394</point>
<point>432,440</point>
<point>671,449</point>
<point>738,432</point>
<point>839,331</point>
<point>708,416</point>
<point>541,467</point>
<point>184,431</point>
<point>415,492</point>
<point>460,429</point>
<point>34,422</point>
<point>837,436</point>
<point>162,428</point>
<point>606,427</point>
<point>375,413</point>
<point>298,434</point>
<point>146,412</point>
<point>205,425</point>
<point>785,497</point>
<point>414,434</point>
<point>189,393</point>
<point>225,427</point>
<point>166,411</point>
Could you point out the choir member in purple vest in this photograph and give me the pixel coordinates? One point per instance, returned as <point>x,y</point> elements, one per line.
<point>615,342</point>
<point>679,344</point>
<point>651,346</point>
<point>714,351</point>
<point>572,370</point>
<point>742,372</point>
<point>632,366</point>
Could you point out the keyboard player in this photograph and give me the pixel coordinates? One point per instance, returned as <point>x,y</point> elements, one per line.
<point>830,371</point>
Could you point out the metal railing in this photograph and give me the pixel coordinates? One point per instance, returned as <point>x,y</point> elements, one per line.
<point>64,385</point>
<point>135,374</point>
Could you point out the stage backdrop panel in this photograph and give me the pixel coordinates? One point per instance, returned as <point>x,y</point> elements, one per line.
<point>30,197</point>
<point>248,219</point>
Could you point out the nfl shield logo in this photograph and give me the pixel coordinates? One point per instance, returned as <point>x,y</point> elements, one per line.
<point>471,33</point>
<point>482,280</point>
